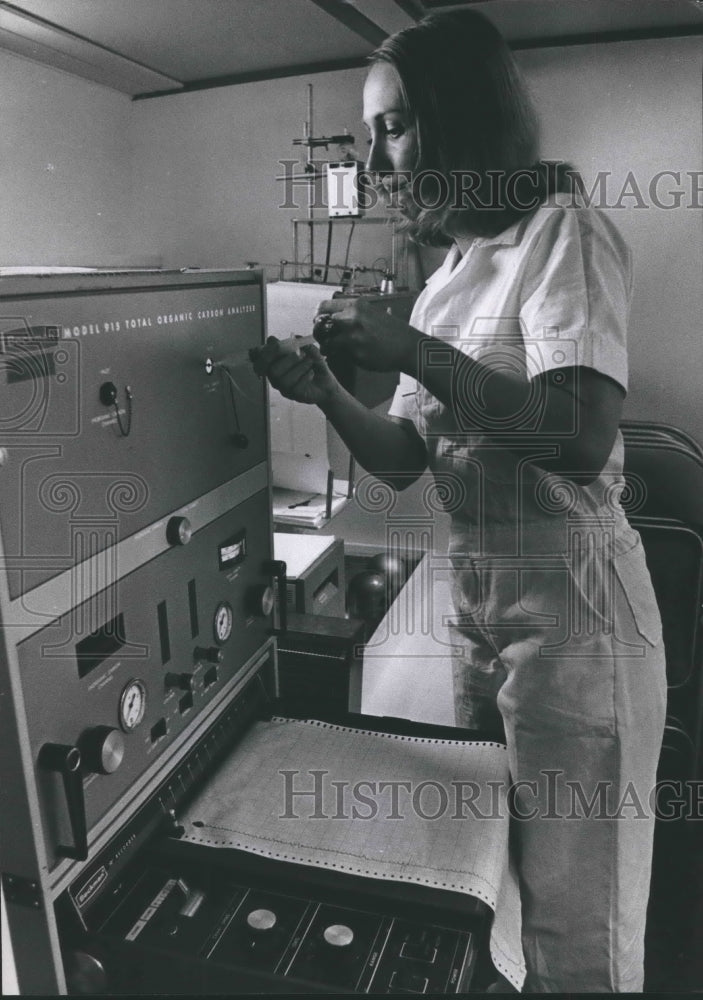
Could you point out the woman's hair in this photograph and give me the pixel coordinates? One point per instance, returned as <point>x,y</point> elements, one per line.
<point>472,114</point>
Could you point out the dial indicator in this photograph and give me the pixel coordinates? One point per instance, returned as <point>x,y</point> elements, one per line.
<point>223,621</point>
<point>132,705</point>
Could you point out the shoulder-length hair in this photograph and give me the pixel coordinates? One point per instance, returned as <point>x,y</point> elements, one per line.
<point>474,121</point>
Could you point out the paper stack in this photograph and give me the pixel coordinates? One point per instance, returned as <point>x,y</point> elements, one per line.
<point>305,509</point>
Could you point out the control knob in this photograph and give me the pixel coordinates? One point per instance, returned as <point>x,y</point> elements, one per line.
<point>261,600</point>
<point>102,749</point>
<point>259,929</point>
<point>261,921</point>
<point>85,973</point>
<point>338,936</point>
<point>178,531</point>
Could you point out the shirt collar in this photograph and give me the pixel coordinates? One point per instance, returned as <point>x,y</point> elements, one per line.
<point>509,237</point>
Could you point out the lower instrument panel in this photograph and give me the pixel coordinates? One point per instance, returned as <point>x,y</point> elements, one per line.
<point>154,913</point>
<point>199,928</point>
<point>181,627</point>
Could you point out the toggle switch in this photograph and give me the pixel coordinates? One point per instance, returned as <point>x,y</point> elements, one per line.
<point>408,982</point>
<point>210,677</point>
<point>159,730</point>
<point>194,898</point>
<point>181,682</point>
<point>421,947</point>
<point>208,654</point>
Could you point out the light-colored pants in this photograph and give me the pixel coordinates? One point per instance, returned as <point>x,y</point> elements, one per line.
<point>566,651</point>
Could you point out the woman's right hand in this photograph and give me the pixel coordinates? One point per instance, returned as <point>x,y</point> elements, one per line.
<point>303,377</point>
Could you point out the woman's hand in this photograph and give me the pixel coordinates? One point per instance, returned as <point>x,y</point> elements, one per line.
<point>363,330</point>
<point>396,454</point>
<point>303,377</point>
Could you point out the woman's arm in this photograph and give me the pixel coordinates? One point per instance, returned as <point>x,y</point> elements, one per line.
<point>572,413</point>
<point>569,416</point>
<point>389,448</point>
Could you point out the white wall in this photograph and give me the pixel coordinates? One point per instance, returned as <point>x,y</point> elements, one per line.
<point>66,168</point>
<point>206,166</point>
<point>636,106</point>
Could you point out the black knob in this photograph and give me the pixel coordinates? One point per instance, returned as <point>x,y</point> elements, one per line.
<point>210,654</point>
<point>260,600</point>
<point>182,682</point>
<point>108,393</point>
<point>102,749</point>
<point>278,569</point>
<point>240,440</point>
<point>85,974</point>
<point>178,531</point>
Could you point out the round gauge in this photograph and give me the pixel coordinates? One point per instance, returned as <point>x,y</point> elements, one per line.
<point>223,622</point>
<point>132,705</point>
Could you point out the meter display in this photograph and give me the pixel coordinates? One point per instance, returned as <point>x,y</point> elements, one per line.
<point>132,705</point>
<point>223,622</point>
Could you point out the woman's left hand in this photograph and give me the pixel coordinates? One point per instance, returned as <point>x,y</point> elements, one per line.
<point>362,329</point>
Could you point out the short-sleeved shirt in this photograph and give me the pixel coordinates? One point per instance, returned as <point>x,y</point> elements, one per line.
<point>552,291</point>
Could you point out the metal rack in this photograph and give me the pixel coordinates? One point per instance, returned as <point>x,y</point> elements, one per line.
<point>398,255</point>
<point>312,172</point>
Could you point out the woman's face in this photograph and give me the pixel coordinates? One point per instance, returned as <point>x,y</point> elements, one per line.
<point>393,138</point>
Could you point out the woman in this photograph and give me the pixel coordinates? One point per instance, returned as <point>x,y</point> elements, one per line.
<point>513,372</point>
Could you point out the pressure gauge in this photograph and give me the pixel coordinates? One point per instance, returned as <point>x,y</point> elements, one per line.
<point>223,622</point>
<point>132,705</point>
